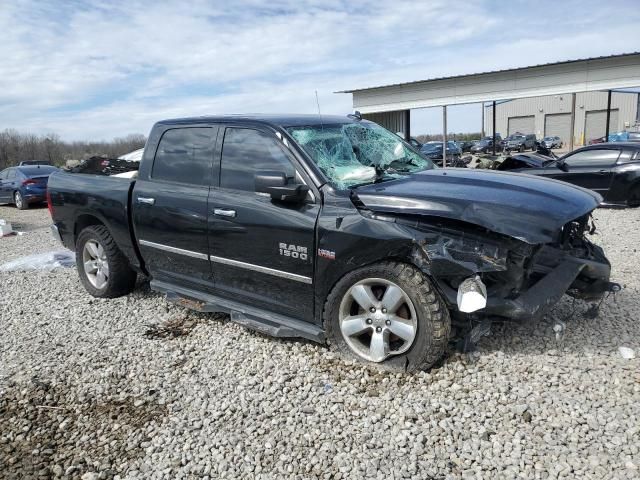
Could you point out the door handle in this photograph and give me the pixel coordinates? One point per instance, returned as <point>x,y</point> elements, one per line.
<point>602,172</point>
<point>146,200</point>
<point>223,212</point>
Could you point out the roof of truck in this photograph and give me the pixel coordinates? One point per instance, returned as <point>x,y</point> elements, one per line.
<point>281,120</point>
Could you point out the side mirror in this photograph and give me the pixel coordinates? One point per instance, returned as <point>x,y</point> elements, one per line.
<point>275,184</point>
<point>562,166</point>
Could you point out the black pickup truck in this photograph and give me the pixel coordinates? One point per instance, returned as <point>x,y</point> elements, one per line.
<point>332,229</point>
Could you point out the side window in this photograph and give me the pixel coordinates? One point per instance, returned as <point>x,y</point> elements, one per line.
<point>3,174</point>
<point>185,155</point>
<point>586,158</point>
<point>245,152</point>
<point>629,156</point>
<point>12,174</point>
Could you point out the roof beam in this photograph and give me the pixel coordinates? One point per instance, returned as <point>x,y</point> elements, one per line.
<point>606,73</point>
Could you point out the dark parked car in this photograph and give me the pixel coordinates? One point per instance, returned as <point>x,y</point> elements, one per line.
<point>520,142</point>
<point>24,186</point>
<point>332,229</point>
<point>552,142</point>
<point>465,145</point>
<point>486,145</point>
<point>611,169</point>
<point>433,151</point>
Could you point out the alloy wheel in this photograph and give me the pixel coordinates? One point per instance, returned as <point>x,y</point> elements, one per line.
<point>18,200</point>
<point>96,266</point>
<point>377,319</point>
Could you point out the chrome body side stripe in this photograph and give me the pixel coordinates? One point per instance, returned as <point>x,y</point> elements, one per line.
<point>261,269</point>
<point>179,251</point>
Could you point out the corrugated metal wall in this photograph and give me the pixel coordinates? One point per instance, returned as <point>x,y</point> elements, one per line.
<point>524,125</point>
<point>625,103</point>
<point>393,121</point>
<point>595,124</point>
<point>558,125</point>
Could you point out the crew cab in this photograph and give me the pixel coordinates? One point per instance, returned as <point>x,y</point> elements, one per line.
<point>332,229</point>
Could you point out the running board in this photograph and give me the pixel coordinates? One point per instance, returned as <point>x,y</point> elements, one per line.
<point>272,324</point>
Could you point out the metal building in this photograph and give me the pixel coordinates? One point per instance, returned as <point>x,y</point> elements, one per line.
<point>390,105</point>
<point>551,115</point>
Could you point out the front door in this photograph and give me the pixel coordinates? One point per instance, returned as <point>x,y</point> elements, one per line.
<point>590,169</point>
<point>170,207</point>
<point>261,250</point>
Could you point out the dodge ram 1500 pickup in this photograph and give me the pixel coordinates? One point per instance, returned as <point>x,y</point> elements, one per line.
<point>332,229</point>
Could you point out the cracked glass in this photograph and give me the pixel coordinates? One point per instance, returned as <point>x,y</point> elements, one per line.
<point>358,153</point>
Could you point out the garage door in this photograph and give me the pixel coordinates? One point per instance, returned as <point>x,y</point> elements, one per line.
<point>595,124</point>
<point>558,124</point>
<point>521,124</point>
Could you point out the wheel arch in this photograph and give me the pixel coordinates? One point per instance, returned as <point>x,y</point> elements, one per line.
<point>409,259</point>
<point>83,221</point>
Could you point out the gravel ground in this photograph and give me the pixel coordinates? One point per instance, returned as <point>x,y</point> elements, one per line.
<point>138,388</point>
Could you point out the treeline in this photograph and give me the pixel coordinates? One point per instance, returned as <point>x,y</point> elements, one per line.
<point>16,147</point>
<point>450,136</point>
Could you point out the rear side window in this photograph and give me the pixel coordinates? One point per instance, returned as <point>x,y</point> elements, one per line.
<point>11,174</point>
<point>245,152</point>
<point>586,158</point>
<point>185,155</point>
<point>3,174</point>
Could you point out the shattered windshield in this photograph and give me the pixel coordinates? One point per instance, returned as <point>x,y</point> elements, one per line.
<point>353,154</point>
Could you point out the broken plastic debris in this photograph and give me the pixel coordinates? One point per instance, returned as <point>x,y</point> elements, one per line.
<point>41,261</point>
<point>5,228</point>
<point>472,295</point>
<point>559,329</point>
<point>627,353</point>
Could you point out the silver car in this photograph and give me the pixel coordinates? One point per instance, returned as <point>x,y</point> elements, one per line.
<point>552,142</point>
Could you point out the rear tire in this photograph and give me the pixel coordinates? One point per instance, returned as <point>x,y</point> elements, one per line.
<point>21,203</point>
<point>103,269</point>
<point>410,318</point>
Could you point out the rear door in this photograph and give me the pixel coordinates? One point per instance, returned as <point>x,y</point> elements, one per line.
<point>170,207</point>
<point>3,181</point>
<point>591,168</point>
<point>261,250</point>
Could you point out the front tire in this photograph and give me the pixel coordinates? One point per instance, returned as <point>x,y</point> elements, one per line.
<point>388,314</point>
<point>21,203</point>
<point>104,270</point>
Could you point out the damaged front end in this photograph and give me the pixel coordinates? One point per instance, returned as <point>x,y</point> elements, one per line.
<point>520,281</point>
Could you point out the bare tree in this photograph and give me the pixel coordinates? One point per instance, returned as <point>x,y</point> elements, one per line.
<point>16,147</point>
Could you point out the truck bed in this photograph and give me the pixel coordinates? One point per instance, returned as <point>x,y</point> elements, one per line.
<point>82,200</point>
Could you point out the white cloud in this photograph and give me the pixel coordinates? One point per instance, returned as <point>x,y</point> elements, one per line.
<point>86,69</point>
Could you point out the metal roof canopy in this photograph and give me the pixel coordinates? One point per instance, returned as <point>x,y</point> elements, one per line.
<point>601,73</point>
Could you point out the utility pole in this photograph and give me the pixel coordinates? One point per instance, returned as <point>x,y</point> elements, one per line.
<point>573,121</point>
<point>444,136</point>
<point>606,135</point>
<point>493,110</point>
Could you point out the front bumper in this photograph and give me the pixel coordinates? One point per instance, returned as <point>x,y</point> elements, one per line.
<point>587,279</point>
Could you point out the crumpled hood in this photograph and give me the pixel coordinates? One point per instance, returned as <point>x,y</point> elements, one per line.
<point>525,207</point>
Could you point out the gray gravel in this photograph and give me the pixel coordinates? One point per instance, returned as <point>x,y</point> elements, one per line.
<point>138,388</point>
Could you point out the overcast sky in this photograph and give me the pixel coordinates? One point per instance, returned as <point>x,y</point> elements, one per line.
<point>95,69</point>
